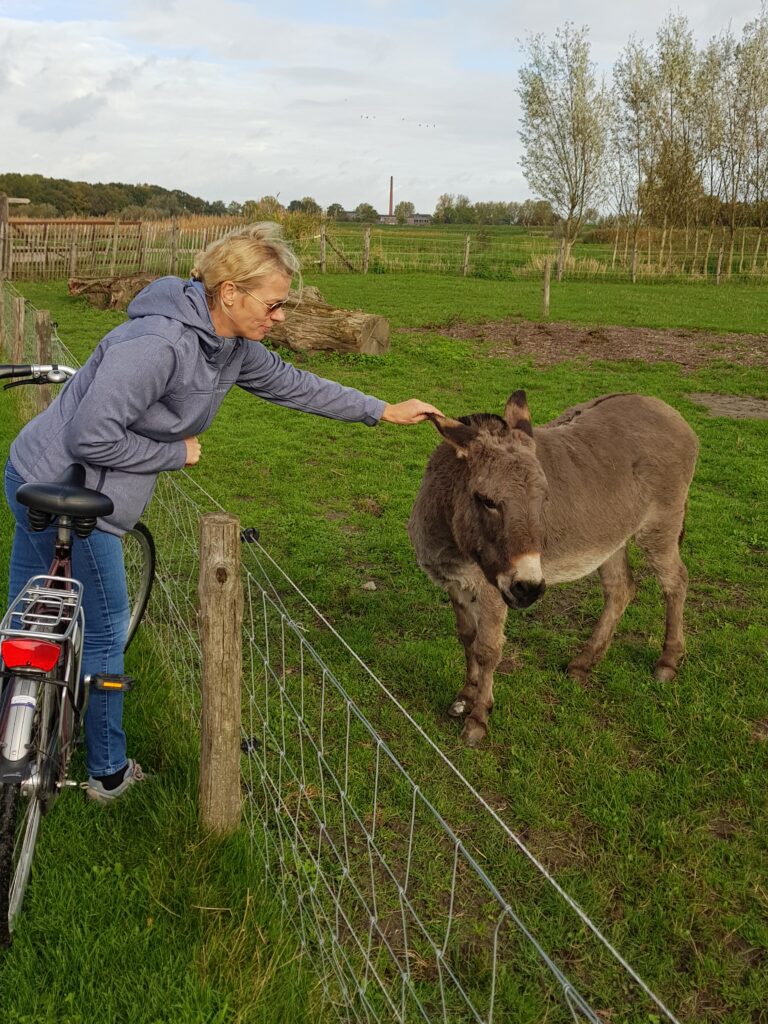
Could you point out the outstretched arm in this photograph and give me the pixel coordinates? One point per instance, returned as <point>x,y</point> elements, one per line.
<point>406,413</point>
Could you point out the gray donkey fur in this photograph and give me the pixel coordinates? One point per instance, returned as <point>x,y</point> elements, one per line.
<point>504,509</point>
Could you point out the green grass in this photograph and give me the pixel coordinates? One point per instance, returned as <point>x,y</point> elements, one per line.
<point>647,801</point>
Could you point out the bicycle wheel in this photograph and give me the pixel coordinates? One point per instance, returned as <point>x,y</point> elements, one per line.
<point>21,808</point>
<point>139,556</point>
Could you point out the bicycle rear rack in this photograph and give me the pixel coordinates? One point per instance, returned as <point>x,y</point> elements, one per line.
<point>48,606</point>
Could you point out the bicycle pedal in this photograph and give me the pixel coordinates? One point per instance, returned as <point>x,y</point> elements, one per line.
<point>111,683</point>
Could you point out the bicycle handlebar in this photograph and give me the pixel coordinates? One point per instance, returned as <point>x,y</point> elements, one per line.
<point>35,374</point>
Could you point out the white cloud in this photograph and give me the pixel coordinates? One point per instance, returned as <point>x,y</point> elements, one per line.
<point>232,102</point>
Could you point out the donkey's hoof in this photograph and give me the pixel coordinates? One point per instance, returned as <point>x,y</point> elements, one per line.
<point>578,673</point>
<point>459,708</point>
<point>474,732</point>
<point>664,673</point>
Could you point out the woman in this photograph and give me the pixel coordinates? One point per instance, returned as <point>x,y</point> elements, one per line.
<point>136,408</point>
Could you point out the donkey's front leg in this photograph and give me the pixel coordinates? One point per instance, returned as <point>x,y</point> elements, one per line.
<point>480,616</point>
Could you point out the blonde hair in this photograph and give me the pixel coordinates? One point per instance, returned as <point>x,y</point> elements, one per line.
<point>243,257</point>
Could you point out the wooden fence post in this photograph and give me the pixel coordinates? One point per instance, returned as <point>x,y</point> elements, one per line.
<point>44,355</point>
<point>719,264</point>
<point>322,248</point>
<point>113,255</point>
<point>2,319</point>
<point>142,250</point>
<point>17,343</point>
<point>465,264</point>
<point>72,265</point>
<point>5,236</point>
<point>220,594</point>
<point>547,277</point>
<point>634,263</point>
<point>174,247</point>
<point>366,250</point>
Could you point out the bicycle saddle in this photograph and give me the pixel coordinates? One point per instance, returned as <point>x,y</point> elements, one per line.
<point>66,496</point>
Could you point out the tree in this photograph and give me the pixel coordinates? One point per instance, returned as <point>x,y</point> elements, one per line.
<point>542,213</point>
<point>512,213</point>
<point>366,213</point>
<point>444,209</point>
<point>403,211</point>
<point>266,208</point>
<point>756,41</point>
<point>673,190</point>
<point>335,211</point>
<point>463,210</point>
<point>634,137</point>
<point>740,91</point>
<point>305,205</point>
<point>564,126</point>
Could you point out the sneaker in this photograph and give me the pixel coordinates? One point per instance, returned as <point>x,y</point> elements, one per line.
<point>96,791</point>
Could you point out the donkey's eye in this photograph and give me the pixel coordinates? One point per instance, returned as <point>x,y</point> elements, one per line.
<point>486,502</point>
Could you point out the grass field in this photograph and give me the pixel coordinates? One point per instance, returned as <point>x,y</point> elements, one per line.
<point>646,801</point>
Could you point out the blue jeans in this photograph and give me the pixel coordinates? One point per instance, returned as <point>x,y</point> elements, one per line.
<point>97,562</point>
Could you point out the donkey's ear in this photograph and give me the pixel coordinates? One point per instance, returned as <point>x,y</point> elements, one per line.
<point>454,432</point>
<point>517,414</point>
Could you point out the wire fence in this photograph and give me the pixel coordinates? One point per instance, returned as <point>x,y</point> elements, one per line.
<point>413,897</point>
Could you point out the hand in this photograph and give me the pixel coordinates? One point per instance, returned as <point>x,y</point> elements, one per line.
<point>409,412</point>
<point>193,451</point>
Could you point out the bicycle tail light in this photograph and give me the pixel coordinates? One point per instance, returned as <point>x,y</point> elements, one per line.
<point>21,652</point>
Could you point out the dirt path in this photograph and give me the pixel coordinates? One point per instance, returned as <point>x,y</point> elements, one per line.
<point>550,343</point>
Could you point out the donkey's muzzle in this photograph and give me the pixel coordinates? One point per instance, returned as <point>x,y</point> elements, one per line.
<point>522,593</point>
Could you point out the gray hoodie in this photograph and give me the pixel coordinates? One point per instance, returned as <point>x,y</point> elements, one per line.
<point>156,379</point>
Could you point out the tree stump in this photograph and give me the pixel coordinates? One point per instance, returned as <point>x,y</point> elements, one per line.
<point>312,325</point>
<point>109,292</point>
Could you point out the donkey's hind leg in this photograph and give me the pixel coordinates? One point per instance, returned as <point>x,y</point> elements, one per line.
<point>480,618</point>
<point>619,589</point>
<point>660,542</point>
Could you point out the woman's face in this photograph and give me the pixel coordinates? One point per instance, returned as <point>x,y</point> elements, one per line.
<point>245,313</point>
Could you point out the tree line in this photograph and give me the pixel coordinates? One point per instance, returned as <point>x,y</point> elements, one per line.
<point>677,139</point>
<point>59,197</point>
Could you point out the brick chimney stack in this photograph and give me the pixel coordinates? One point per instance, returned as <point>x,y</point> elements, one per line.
<point>391,194</point>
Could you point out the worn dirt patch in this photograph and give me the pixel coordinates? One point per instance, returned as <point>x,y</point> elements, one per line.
<point>550,343</point>
<point>735,407</point>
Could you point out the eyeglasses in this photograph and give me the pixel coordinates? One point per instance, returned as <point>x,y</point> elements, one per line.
<point>272,307</point>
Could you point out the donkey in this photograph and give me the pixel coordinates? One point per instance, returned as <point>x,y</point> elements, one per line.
<point>504,509</point>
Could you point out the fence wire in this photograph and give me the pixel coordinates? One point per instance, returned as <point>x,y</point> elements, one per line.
<point>413,897</point>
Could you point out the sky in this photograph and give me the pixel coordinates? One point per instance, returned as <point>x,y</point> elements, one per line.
<point>232,100</point>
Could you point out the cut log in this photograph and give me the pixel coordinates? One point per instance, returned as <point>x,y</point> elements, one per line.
<point>312,325</point>
<point>109,292</point>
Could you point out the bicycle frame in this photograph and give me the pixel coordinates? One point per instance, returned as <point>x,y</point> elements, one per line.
<point>41,640</point>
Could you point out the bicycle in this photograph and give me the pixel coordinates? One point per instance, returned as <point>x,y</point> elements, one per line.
<point>42,696</point>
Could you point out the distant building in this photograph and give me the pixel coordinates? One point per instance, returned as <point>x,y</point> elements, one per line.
<point>386,218</point>
<point>419,218</point>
